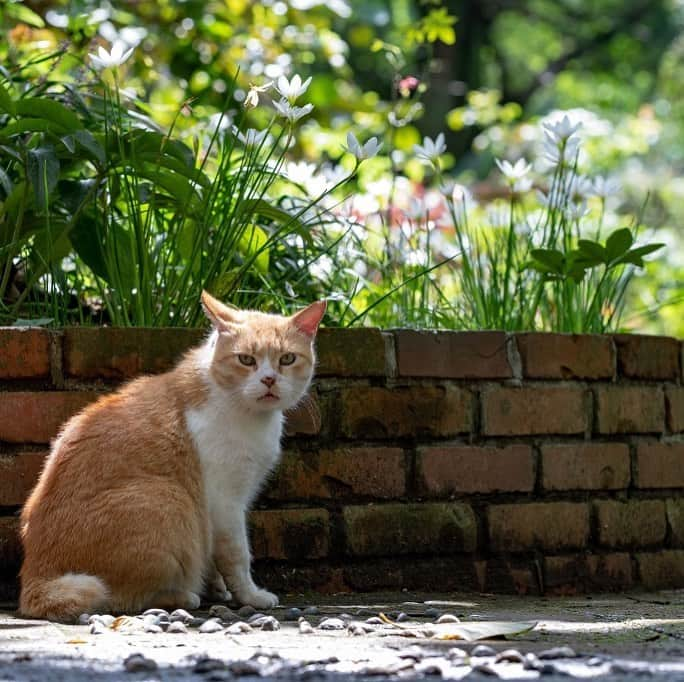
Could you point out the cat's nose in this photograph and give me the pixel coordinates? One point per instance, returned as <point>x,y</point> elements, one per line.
<point>269,380</point>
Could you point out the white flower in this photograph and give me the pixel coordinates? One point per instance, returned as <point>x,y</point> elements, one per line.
<point>252,98</point>
<point>292,89</point>
<point>292,113</point>
<point>560,152</point>
<point>515,175</point>
<point>431,149</point>
<point>362,152</point>
<point>116,57</point>
<point>562,130</point>
<point>605,187</point>
<point>577,210</point>
<point>251,137</point>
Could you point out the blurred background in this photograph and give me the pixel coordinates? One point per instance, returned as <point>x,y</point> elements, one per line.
<point>482,72</point>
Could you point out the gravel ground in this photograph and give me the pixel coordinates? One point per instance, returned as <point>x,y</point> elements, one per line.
<point>611,637</point>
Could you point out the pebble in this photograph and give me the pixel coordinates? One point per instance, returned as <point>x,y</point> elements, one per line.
<point>482,650</point>
<point>248,667</point>
<point>84,619</point>
<point>246,611</point>
<point>105,619</point>
<point>196,622</point>
<point>448,618</point>
<point>311,611</point>
<point>510,656</point>
<point>97,628</point>
<point>356,630</point>
<point>432,613</point>
<point>222,612</point>
<point>485,669</point>
<point>180,615</point>
<point>211,625</point>
<point>137,663</point>
<point>152,628</point>
<point>206,664</point>
<point>457,654</point>
<point>401,616</point>
<point>239,628</point>
<point>155,612</point>
<point>292,614</point>
<point>374,620</point>
<point>151,619</point>
<point>557,652</point>
<point>177,627</point>
<point>305,627</point>
<point>267,623</point>
<point>255,616</point>
<point>432,666</point>
<point>331,624</point>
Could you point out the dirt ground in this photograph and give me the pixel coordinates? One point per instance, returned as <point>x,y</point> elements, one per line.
<point>621,636</point>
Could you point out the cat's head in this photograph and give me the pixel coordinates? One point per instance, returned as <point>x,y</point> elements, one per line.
<point>264,361</point>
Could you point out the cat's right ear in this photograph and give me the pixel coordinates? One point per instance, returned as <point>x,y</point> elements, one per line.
<point>220,315</point>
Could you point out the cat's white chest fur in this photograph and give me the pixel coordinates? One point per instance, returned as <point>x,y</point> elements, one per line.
<point>237,449</point>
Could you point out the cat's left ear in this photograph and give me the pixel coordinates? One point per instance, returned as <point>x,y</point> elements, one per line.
<point>220,315</point>
<point>307,320</point>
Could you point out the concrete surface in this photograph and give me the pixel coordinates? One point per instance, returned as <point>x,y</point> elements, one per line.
<point>616,637</point>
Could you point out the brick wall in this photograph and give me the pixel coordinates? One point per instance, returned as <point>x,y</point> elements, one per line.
<point>470,461</point>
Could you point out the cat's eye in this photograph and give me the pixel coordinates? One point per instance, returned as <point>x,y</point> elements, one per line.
<point>287,358</point>
<point>247,360</point>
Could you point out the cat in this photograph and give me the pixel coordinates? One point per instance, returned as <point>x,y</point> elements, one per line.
<point>142,501</point>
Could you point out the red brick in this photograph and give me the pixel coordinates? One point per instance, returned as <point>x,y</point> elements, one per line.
<point>566,356</point>
<point>350,352</point>
<point>661,570</point>
<point>585,466</point>
<point>510,576</point>
<point>449,469</point>
<point>35,417</point>
<point>632,523</point>
<point>290,533</point>
<point>534,410</point>
<point>392,529</point>
<point>413,411</point>
<point>674,401</point>
<point>452,355</point>
<point>630,409</point>
<point>10,544</point>
<point>18,474</point>
<point>548,526</point>
<point>647,357</point>
<point>305,419</point>
<point>24,353</point>
<point>326,474</point>
<point>581,573</point>
<point>675,521</point>
<point>122,353</point>
<point>660,465</point>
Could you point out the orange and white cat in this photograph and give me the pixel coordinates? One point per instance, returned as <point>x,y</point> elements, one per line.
<point>143,499</point>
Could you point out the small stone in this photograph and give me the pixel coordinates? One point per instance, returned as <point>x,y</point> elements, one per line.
<point>255,616</point>
<point>97,628</point>
<point>180,615</point>
<point>401,616</point>
<point>151,619</point>
<point>196,622</point>
<point>331,624</point>
<point>311,611</point>
<point>292,614</point>
<point>557,652</point>
<point>223,612</point>
<point>356,630</point>
<point>374,620</point>
<point>510,656</point>
<point>211,625</point>
<point>177,627</point>
<point>246,611</point>
<point>482,650</point>
<point>448,618</point>
<point>83,619</point>
<point>432,666</point>
<point>305,627</point>
<point>206,664</point>
<point>485,669</point>
<point>248,667</point>
<point>267,623</point>
<point>152,628</point>
<point>457,655</point>
<point>239,628</point>
<point>432,613</point>
<point>155,612</point>
<point>137,663</point>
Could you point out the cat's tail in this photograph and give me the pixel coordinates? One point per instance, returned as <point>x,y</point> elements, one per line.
<point>63,598</point>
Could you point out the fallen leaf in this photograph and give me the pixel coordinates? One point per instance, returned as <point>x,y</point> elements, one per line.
<point>482,630</point>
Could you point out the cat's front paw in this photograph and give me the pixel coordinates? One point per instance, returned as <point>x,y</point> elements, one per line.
<point>259,599</point>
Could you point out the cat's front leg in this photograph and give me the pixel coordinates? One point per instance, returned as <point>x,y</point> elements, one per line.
<point>215,589</point>
<point>232,556</point>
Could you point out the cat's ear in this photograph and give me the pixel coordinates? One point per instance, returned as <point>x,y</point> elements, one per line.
<point>220,315</point>
<point>307,320</point>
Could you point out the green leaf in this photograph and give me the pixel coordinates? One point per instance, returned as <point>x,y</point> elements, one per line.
<point>6,101</point>
<point>5,182</point>
<point>551,259</point>
<point>50,110</point>
<point>273,213</point>
<point>20,12</point>
<point>618,243</point>
<point>87,239</point>
<point>30,125</point>
<point>635,256</point>
<point>86,139</point>
<point>253,244</point>
<point>592,252</point>
<point>43,172</point>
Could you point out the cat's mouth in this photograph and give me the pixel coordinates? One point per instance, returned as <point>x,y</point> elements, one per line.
<point>268,397</point>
